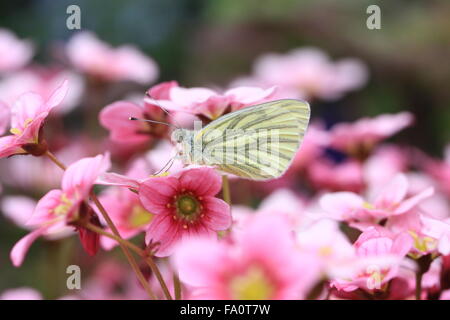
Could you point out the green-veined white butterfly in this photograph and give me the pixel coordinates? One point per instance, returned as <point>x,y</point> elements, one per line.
<point>257,142</point>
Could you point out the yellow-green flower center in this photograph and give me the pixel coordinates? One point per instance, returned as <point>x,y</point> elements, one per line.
<point>64,207</point>
<point>252,285</point>
<point>187,206</point>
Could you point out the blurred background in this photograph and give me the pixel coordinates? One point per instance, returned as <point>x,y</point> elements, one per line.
<point>211,43</point>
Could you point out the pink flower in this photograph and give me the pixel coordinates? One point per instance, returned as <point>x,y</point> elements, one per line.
<point>311,72</point>
<point>391,201</point>
<point>61,207</point>
<point>440,170</point>
<point>325,174</point>
<point>316,140</point>
<point>328,244</point>
<point>18,209</point>
<point>43,81</point>
<point>125,208</point>
<point>14,53</point>
<point>392,159</point>
<point>4,117</point>
<point>90,55</point>
<point>184,206</point>
<point>211,104</point>
<point>360,137</point>
<point>115,118</point>
<point>380,255</point>
<point>23,293</point>
<point>261,263</point>
<point>27,118</point>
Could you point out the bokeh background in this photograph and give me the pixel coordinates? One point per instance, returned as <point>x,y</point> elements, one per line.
<point>210,43</point>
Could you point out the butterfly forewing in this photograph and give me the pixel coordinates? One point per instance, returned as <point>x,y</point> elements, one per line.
<point>258,142</point>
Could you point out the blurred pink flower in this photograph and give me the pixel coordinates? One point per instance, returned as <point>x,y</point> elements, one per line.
<point>440,170</point>
<point>18,209</point>
<point>23,293</point>
<point>391,201</point>
<point>27,118</point>
<point>125,208</point>
<point>383,165</point>
<point>211,104</point>
<point>60,207</point>
<point>5,117</point>
<point>42,80</point>
<point>261,263</point>
<point>326,175</point>
<point>315,141</point>
<point>183,206</point>
<point>388,252</point>
<point>94,57</point>
<point>14,53</point>
<point>37,174</point>
<point>310,72</point>
<point>360,137</point>
<point>328,243</point>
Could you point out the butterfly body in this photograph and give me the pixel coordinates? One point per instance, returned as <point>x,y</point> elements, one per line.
<point>258,142</point>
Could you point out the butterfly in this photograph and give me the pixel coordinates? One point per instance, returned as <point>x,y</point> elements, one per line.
<point>257,142</point>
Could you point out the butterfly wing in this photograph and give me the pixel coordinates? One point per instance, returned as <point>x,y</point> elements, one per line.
<point>257,142</point>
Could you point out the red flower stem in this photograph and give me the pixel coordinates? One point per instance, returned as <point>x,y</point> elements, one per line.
<point>111,225</point>
<point>137,250</point>
<point>226,189</point>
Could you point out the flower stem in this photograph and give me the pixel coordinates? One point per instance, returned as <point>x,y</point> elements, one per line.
<point>137,250</point>
<point>226,189</point>
<point>55,160</point>
<point>177,286</point>
<point>419,276</point>
<point>111,225</point>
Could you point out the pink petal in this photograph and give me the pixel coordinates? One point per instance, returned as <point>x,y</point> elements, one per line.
<point>191,96</point>
<point>249,95</point>
<point>202,181</point>
<point>115,117</point>
<point>402,244</point>
<point>18,208</point>
<point>9,146</point>
<point>43,212</point>
<point>5,117</point>
<point>20,249</point>
<point>217,214</point>
<point>26,107</point>
<point>410,203</point>
<point>341,204</point>
<point>57,96</point>
<point>393,193</point>
<point>165,230</point>
<point>115,179</point>
<point>199,260</point>
<point>82,174</point>
<point>156,193</point>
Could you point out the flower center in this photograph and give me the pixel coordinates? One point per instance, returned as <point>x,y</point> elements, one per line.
<point>64,206</point>
<point>18,131</point>
<point>187,206</point>
<point>139,216</point>
<point>253,285</point>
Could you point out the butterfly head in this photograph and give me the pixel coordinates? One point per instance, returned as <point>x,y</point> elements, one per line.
<point>183,140</point>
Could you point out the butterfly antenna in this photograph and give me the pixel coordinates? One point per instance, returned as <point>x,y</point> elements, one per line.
<point>154,101</point>
<point>164,169</point>
<point>153,121</point>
